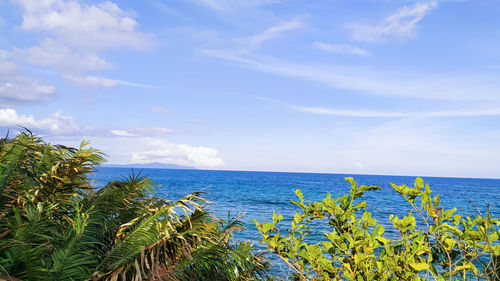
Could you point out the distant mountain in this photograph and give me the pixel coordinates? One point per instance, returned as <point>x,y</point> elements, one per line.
<point>154,165</point>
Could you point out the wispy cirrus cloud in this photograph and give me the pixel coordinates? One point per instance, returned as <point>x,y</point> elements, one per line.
<point>228,5</point>
<point>122,133</point>
<point>247,44</point>
<point>359,79</point>
<point>101,82</point>
<point>323,110</point>
<point>424,114</point>
<point>160,109</point>
<point>254,42</point>
<point>451,87</point>
<point>401,24</point>
<point>141,132</point>
<point>340,49</point>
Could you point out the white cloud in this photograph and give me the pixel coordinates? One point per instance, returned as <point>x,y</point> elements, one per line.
<point>160,109</point>
<point>137,145</point>
<point>146,132</point>
<point>101,82</point>
<point>255,41</point>
<point>181,154</point>
<point>433,147</point>
<point>99,26</point>
<point>225,5</point>
<point>56,124</point>
<point>75,32</point>
<point>122,133</point>
<point>91,81</point>
<point>341,49</point>
<point>17,88</point>
<point>349,113</point>
<point>466,87</point>
<point>366,113</point>
<point>246,44</point>
<point>400,24</point>
<point>51,53</point>
<point>463,111</point>
<point>147,149</point>
<point>358,165</point>
<point>153,131</point>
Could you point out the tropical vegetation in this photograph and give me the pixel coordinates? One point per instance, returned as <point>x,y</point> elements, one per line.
<point>54,225</point>
<point>434,244</point>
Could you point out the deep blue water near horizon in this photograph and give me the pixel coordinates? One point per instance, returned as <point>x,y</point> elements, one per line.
<point>256,194</point>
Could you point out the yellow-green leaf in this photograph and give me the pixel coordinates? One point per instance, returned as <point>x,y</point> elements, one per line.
<point>419,266</point>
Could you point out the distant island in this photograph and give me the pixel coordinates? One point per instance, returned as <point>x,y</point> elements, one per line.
<point>154,165</point>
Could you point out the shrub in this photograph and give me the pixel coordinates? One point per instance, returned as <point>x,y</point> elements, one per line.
<point>443,246</point>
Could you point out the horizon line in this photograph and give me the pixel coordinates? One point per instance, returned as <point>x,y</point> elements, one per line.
<point>295,172</point>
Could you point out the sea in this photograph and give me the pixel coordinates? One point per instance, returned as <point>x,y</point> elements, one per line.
<point>254,195</point>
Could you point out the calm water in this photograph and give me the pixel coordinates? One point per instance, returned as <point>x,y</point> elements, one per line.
<point>256,194</point>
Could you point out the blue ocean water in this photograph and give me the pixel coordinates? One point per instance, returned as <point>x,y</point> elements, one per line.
<point>256,194</point>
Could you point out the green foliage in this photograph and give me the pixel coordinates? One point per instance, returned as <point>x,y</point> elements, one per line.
<point>55,226</point>
<point>436,245</point>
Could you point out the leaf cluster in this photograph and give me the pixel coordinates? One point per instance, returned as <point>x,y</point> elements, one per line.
<point>436,244</point>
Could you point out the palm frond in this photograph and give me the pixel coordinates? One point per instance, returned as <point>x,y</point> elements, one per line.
<point>55,226</point>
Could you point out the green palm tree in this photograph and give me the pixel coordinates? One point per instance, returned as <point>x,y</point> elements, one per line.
<point>55,226</point>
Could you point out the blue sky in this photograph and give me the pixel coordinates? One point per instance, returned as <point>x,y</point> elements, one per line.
<point>377,87</point>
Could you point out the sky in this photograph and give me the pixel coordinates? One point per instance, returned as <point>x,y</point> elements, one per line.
<point>396,87</point>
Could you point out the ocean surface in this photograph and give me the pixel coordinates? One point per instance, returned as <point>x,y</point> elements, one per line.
<point>256,194</point>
